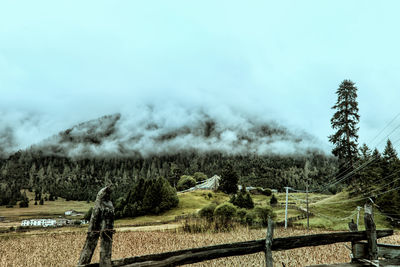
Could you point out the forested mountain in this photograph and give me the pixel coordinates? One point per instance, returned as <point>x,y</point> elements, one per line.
<point>77,162</point>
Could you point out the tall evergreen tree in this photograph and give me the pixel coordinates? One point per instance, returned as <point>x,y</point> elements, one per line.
<point>390,154</point>
<point>345,121</point>
<point>390,162</point>
<point>229,180</point>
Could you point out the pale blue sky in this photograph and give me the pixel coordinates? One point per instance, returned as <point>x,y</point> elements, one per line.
<point>64,62</point>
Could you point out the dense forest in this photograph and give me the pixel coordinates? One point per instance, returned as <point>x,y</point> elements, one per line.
<point>80,179</point>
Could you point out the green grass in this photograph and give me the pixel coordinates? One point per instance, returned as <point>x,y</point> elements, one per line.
<point>329,210</point>
<point>335,212</point>
<point>189,202</point>
<point>50,209</point>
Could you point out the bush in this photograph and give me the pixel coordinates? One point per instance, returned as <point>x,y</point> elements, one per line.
<point>273,200</point>
<point>185,182</point>
<point>333,189</point>
<point>241,214</point>
<point>250,218</point>
<point>208,212</point>
<point>262,214</point>
<point>267,192</point>
<point>24,204</point>
<point>223,214</point>
<point>242,199</point>
<point>199,176</point>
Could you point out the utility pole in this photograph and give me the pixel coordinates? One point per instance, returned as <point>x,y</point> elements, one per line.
<point>307,181</point>
<point>358,214</point>
<point>308,212</point>
<point>286,207</point>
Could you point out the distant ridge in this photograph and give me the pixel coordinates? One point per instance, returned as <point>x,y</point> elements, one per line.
<point>117,135</point>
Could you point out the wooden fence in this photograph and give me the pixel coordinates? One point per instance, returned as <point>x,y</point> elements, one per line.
<point>101,225</point>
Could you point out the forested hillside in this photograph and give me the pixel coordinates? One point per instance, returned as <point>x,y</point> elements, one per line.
<point>80,179</point>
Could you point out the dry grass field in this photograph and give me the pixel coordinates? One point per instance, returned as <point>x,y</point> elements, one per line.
<point>62,249</point>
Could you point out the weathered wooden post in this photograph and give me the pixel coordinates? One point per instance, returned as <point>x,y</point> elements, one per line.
<point>353,228</point>
<point>268,243</point>
<point>101,225</point>
<point>370,228</point>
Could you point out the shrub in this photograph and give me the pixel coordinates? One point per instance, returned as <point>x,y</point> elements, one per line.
<point>24,204</point>
<point>332,189</point>
<point>250,218</point>
<point>208,212</point>
<point>186,182</point>
<point>241,214</point>
<point>273,200</point>
<point>267,192</point>
<point>242,199</point>
<point>223,214</point>
<point>199,176</point>
<point>262,214</point>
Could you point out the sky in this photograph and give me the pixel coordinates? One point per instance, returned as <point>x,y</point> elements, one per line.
<point>65,62</point>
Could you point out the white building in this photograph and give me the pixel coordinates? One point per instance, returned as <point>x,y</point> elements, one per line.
<point>39,222</point>
<point>72,213</point>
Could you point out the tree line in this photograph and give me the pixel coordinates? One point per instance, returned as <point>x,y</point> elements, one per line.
<point>80,179</point>
<point>368,172</point>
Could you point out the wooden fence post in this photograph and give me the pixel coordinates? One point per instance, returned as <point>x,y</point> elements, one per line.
<point>107,231</point>
<point>370,228</point>
<point>353,228</point>
<point>102,207</point>
<point>268,243</point>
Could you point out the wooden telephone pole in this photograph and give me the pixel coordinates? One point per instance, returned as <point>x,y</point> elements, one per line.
<point>306,171</point>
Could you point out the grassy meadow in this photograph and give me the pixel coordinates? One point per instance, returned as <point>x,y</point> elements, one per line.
<point>50,209</point>
<point>61,246</point>
<point>332,212</point>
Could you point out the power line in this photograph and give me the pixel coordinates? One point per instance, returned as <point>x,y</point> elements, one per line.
<point>383,139</point>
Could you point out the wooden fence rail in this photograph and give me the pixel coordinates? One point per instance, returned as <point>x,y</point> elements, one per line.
<point>101,226</point>
<point>193,255</point>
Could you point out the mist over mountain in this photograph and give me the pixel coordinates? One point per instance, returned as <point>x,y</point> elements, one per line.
<point>159,133</point>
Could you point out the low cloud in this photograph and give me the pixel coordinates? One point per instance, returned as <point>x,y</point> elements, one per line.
<point>156,131</point>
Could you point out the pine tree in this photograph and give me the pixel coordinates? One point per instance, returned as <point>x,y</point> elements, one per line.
<point>390,154</point>
<point>345,121</point>
<point>390,160</point>
<point>229,180</point>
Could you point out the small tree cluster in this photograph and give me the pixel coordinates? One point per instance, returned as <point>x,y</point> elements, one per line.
<point>222,216</point>
<point>147,197</point>
<point>242,199</point>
